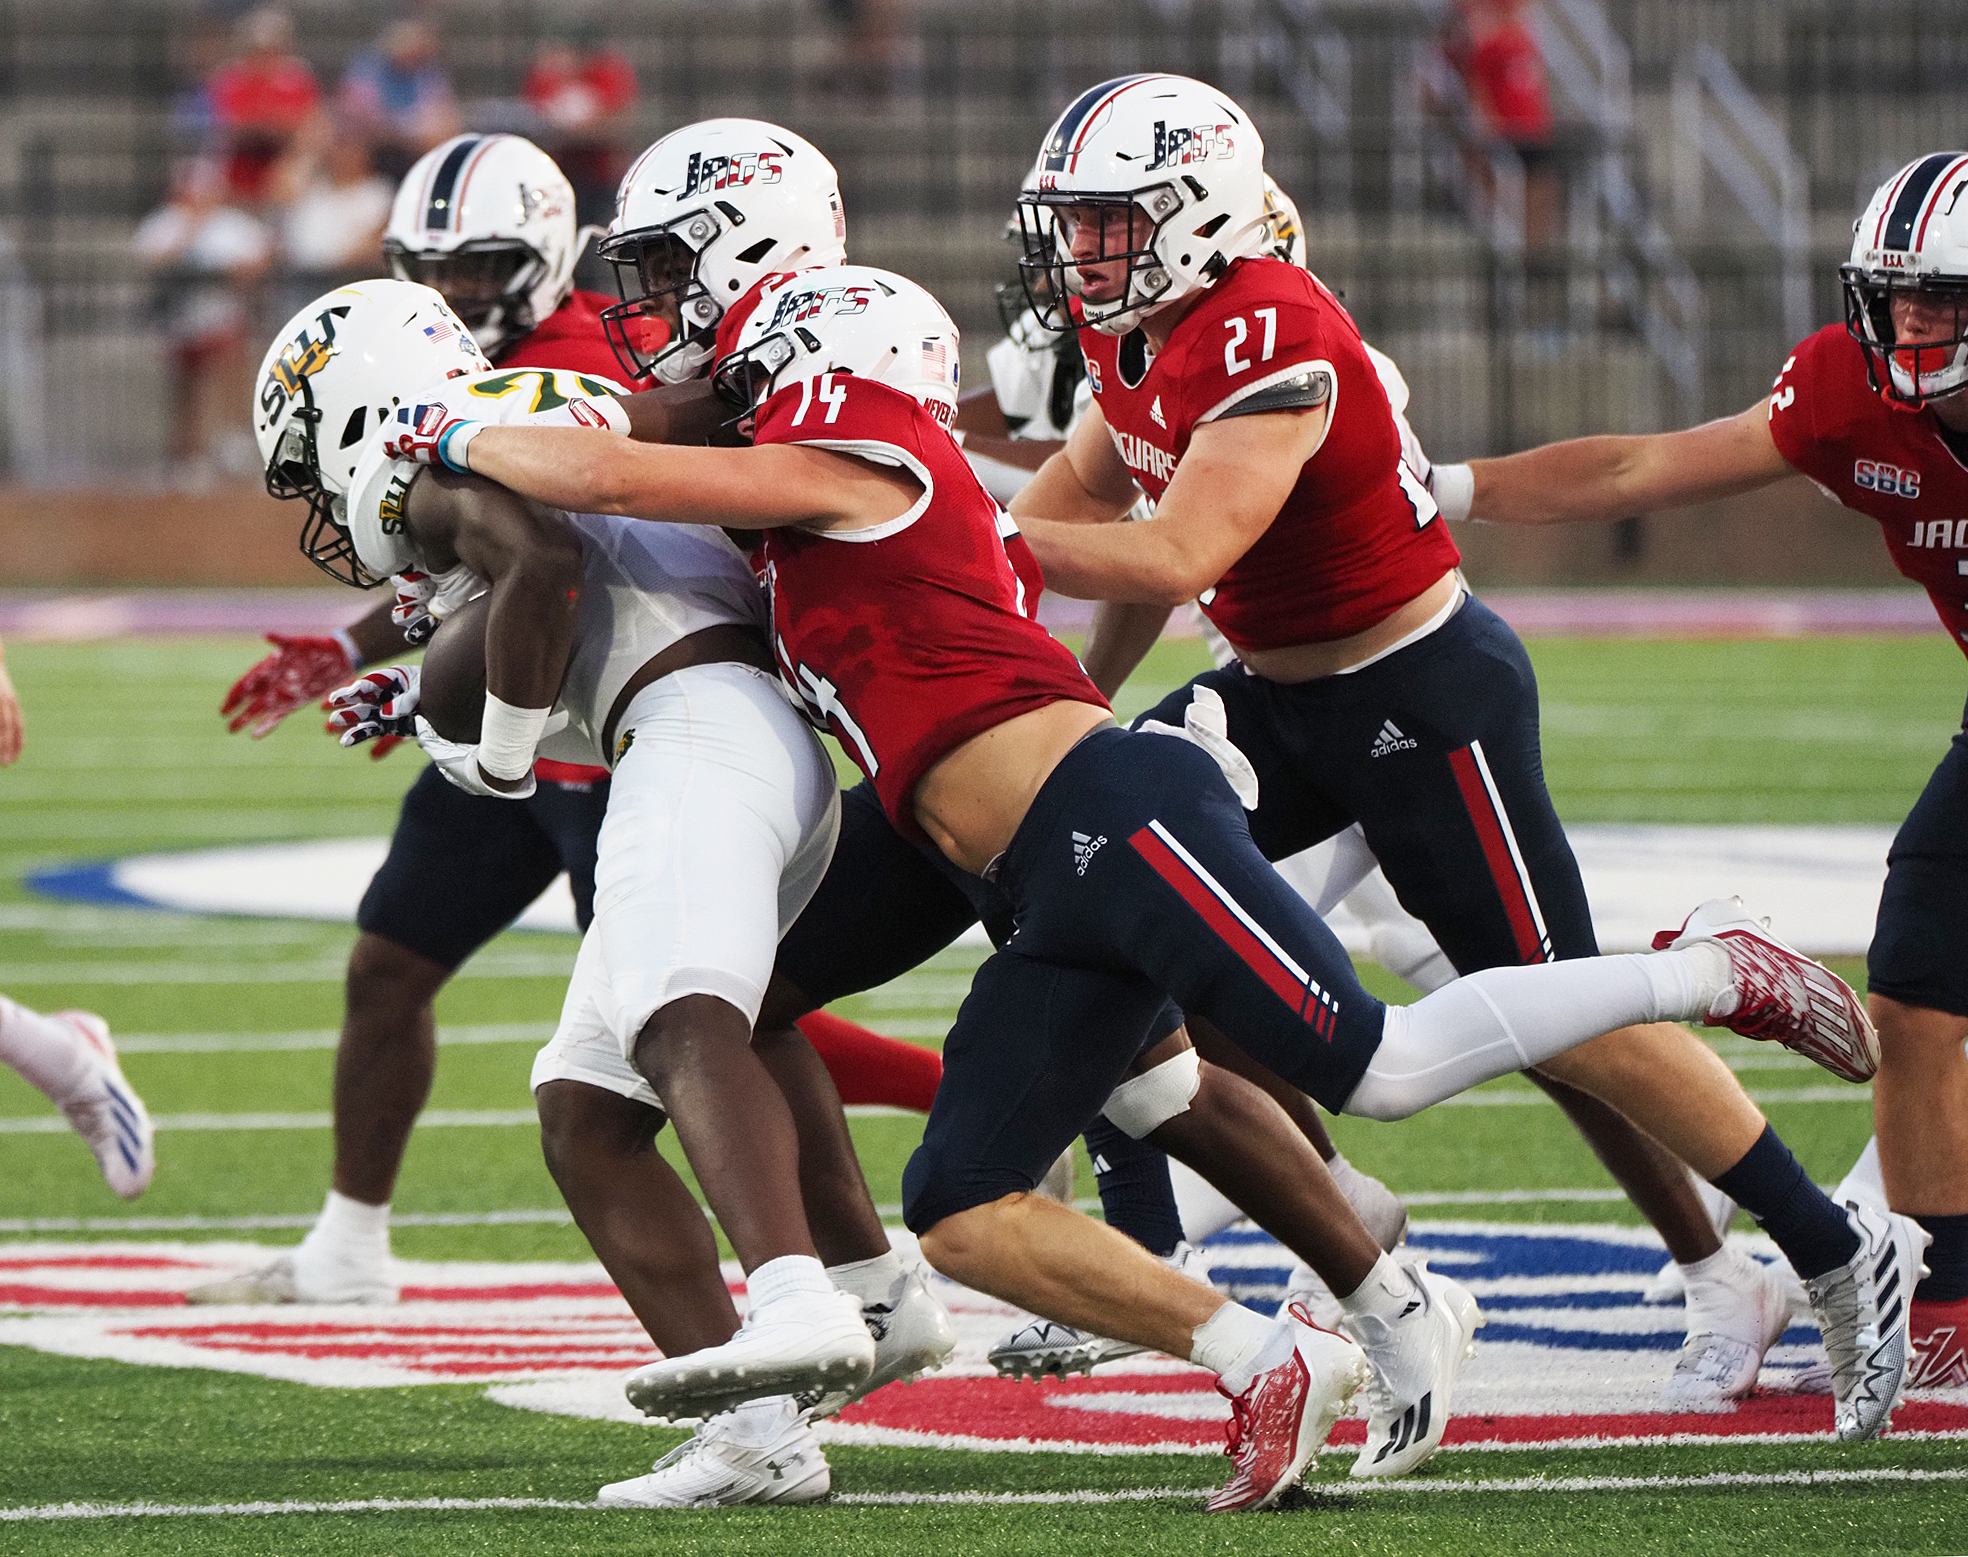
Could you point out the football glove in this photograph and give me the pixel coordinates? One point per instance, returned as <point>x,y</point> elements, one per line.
<point>298,671</point>
<point>430,434</point>
<point>381,704</point>
<point>459,764</point>
<point>1206,724</point>
<point>411,610</point>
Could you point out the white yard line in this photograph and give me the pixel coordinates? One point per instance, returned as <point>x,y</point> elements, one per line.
<point>56,1512</point>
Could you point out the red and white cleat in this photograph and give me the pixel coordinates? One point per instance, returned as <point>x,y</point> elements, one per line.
<point>1278,1423</point>
<point>1779,995</point>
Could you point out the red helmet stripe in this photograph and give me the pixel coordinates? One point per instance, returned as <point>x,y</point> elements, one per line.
<point>464,179</point>
<point>1087,123</point>
<point>1934,200</point>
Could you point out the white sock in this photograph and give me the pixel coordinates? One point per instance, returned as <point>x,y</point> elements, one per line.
<point>1204,1209</point>
<point>349,1232</point>
<point>871,1281</point>
<point>49,1052</point>
<point>790,1277</point>
<point>1499,1020</point>
<point>1385,1293</point>
<point>1238,1344</point>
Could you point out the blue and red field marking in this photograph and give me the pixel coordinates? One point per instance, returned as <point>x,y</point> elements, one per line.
<point>1569,1357</point>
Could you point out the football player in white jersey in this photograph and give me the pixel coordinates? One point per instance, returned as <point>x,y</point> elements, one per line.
<point>640,646</point>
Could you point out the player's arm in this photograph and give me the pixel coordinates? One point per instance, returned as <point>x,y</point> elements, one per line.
<point>11,726</point>
<point>1084,483</point>
<point>1121,638</point>
<point>1610,478</point>
<point>760,488</point>
<point>531,557</point>
<point>1230,484</point>
<point>674,413</point>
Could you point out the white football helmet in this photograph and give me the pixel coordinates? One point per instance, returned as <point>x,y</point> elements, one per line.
<point>1178,155</point>
<point>488,220</point>
<point>702,216</point>
<point>842,319</point>
<point>331,377</point>
<point>1912,238</point>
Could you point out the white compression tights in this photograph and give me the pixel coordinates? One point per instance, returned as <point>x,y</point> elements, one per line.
<point>1500,1020</point>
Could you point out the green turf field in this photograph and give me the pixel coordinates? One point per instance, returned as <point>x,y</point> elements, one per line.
<point>125,754</point>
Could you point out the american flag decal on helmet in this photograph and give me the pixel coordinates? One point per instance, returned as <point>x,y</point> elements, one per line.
<point>440,332</point>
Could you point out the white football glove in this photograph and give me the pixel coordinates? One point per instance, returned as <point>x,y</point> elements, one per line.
<point>381,703</point>
<point>459,764</point>
<point>1205,723</point>
<point>423,600</point>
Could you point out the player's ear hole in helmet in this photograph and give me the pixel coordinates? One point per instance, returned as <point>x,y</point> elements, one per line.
<point>488,221</point>
<point>334,373</point>
<point>701,217</point>
<point>1906,283</point>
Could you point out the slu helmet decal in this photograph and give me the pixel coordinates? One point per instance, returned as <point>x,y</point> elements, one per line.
<point>303,356</point>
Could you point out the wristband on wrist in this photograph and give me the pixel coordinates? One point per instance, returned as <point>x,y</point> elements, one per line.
<point>507,737</point>
<point>1454,490</point>
<point>347,644</point>
<point>453,448</point>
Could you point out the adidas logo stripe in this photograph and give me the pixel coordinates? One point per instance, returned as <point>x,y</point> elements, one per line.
<point>1391,739</point>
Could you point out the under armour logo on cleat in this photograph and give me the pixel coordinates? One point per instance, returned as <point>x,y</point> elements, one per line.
<point>1391,739</point>
<point>1084,849</point>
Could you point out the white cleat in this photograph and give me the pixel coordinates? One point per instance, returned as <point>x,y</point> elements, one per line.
<point>107,1113</point>
<point>287,1279</point>
<point>821,1355</point>
<point>1864,1308</point>
<point>1045,1347</point>
<point>1735,1315</point>
<point>1280,1420</point>
<point>1777,994</point>
<point>1415,1362</point>
<point>912,1332</point>
<point>763,1452</point>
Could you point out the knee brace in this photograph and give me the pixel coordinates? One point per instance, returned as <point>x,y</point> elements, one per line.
<point>1143,1103</point>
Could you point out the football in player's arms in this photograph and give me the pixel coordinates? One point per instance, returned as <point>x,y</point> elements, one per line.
<point>451,691</point>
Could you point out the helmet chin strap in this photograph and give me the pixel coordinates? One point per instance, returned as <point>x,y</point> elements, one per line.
<point>684,364</point>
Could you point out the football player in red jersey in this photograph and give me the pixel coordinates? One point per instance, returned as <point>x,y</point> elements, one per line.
<point>1235,390</point>
<point>1125,856</point>
<point>1874,412</point>
<point>461,867</point>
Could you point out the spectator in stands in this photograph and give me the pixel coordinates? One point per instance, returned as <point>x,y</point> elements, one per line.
<point>398,93</point>
<point>260,101</point>
<point>336,206</point>
<point>208,257</point>
<point>582,89</point>
<point>1500,61</point>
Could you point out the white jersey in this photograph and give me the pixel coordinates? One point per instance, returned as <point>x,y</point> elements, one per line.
<point>645,585</point>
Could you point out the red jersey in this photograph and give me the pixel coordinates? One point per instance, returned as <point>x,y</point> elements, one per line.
<point>1888,464</point>
<point>1358,537</point>
<point>570,338</point>
<point>906,639</point>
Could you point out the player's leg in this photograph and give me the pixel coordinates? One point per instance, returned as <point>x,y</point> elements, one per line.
<point>1918,969</point>
<point>720,819</point>
<point>68,1056</point>
<point>460,868</point>
<point>1035,1050</point>
<point>598,1125</point>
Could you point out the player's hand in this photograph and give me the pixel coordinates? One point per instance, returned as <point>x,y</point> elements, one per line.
<point>382,703</point>
<point>383,745</point>
<point>459,764</point>
<point>11,726</point>
<point>430,434</point>
<point>1205,723</point>
<point>298,671</point>
<point>411,612</point>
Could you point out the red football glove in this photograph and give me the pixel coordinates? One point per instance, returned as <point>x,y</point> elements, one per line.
<point>298,672</point>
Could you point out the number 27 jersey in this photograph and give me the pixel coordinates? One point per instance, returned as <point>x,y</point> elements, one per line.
<point>1357,537</point>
